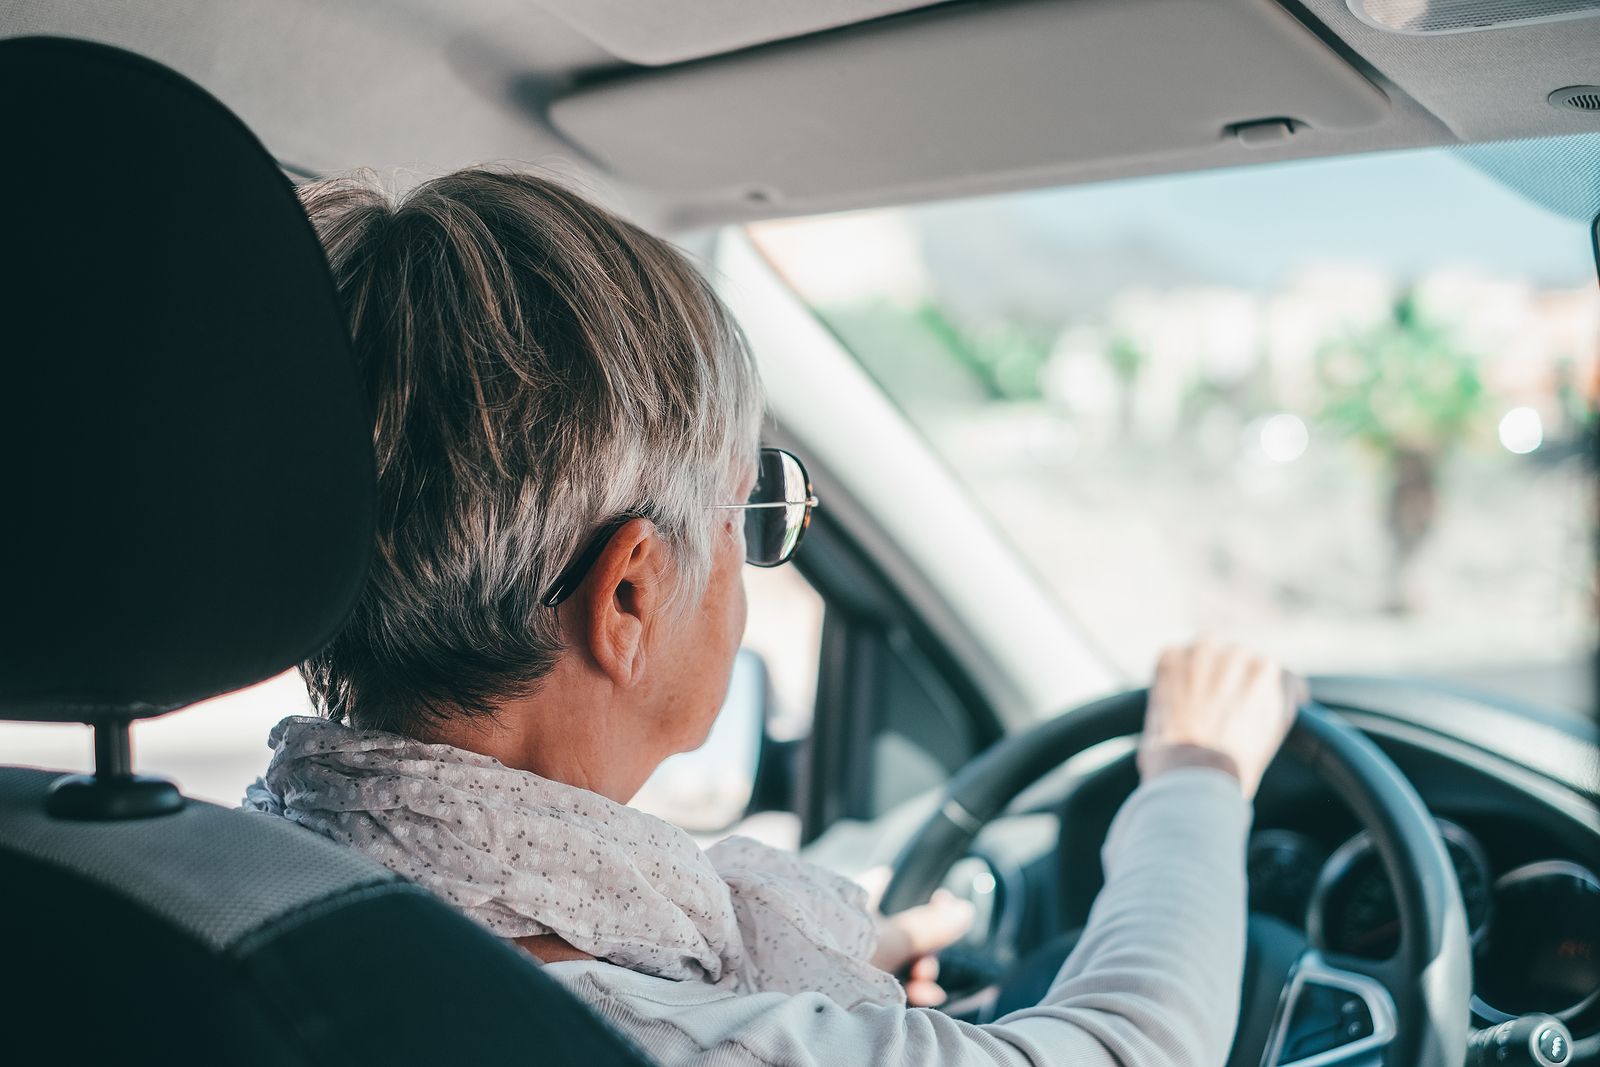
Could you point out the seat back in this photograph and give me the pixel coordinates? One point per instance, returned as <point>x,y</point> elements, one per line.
<point>213,936</point>
<point>186,497</point>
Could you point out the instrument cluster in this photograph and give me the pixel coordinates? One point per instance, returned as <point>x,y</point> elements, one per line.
<point>1535,928</point>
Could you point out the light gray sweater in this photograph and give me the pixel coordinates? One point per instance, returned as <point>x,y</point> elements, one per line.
<point>1154,981</point>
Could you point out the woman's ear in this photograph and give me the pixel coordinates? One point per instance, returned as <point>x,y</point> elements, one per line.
<point>617,604</point>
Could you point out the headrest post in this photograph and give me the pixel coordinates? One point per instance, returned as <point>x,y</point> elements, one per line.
<point>113,750</point>
<point>113,791</point>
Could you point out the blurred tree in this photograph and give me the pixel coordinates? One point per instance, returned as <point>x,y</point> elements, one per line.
<point>912,364</point>
<point>925,357</point>
<point>1409,392</point>
<point>959,346</point>
<point>1126,359</point>
<point>1005,354</point>
<point>1578,415</point>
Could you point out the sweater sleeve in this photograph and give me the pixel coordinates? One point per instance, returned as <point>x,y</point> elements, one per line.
<point>1153,982</point>
<point>1155,979</point>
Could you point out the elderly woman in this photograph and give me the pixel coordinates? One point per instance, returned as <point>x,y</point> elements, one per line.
<point>566,429</point>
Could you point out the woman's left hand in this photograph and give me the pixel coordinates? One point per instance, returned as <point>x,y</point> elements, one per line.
<point>908,940</point>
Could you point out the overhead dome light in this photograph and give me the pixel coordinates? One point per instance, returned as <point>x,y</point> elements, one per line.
<point>1464,16</point>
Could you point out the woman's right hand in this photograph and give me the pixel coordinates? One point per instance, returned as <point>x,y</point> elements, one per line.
<point>1222,699</point>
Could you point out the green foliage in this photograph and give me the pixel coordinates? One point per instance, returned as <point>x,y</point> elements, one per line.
<point>1126,359</point>
<point>1403,386</point>
<point>923,354</point>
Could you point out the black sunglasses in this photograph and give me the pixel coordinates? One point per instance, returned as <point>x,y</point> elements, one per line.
<point>775,520</point>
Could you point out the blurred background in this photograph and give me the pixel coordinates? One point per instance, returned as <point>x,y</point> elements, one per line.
<point>1336,409</point>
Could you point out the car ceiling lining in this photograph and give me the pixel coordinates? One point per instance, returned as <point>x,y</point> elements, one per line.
<point>415,87</point>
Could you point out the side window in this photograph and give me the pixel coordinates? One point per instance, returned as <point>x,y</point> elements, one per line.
<point>771,700</point>
<point>785,630</point>
<point>923,733</point>
<point>895,713</point>
<point>892,721</point>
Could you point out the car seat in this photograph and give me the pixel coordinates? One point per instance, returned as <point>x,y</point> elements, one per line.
<point>186,499</point>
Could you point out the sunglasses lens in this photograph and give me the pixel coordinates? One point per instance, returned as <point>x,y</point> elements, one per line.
<point>771,534</point>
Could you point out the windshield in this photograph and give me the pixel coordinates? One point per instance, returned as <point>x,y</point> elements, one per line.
<point>1335,409</point>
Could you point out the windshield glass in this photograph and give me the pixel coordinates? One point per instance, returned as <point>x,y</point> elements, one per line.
<point>1335,409</point>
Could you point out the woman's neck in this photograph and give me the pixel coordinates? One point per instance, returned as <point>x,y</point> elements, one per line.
<point>569,730</point>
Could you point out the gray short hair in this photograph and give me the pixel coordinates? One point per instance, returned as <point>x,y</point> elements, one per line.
<point>536,366</point>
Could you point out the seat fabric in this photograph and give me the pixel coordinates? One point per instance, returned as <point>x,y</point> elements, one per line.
<point>227,937</point>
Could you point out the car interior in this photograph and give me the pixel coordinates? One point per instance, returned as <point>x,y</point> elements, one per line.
<point>945,691</point>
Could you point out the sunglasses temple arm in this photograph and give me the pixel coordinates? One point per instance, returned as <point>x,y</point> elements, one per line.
<point>808,502</point>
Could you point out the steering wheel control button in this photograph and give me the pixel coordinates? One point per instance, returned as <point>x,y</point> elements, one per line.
<point>1553,1045</point>
<point>1531,1041</point>
<point>1325,1017</point>
<point>1355,1017</point>
<point>1330,1015</point>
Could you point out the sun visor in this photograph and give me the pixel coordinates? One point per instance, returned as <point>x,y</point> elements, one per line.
<point>656,32</point>
<point>968,89</point>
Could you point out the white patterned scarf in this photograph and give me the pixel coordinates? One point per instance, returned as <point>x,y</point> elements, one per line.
<point>525,855</point>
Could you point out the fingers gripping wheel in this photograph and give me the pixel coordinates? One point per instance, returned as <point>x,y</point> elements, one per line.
<point>1411,1009</point>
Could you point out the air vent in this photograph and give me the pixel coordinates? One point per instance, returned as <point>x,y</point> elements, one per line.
<point>1463,16</point>
<point>1577,98</point>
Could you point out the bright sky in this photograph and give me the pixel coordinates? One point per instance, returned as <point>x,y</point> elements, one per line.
<point>1403,211</point>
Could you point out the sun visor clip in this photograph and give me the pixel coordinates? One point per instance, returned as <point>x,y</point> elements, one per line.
<point>1263,133</point>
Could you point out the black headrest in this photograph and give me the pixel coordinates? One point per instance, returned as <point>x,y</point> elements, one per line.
<point>186,483</point>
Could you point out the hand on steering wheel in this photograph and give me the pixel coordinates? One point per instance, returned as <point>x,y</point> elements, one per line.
<point>1418,1001</point>
<point>909,940</point>
<point>1211,700</point>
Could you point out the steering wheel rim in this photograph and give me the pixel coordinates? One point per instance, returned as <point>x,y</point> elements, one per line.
<point>1429,978</point>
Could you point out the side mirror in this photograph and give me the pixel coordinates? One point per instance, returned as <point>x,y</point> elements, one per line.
<point>708,790</point>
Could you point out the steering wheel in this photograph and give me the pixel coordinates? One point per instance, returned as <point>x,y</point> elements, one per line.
<point>1417,1002</point>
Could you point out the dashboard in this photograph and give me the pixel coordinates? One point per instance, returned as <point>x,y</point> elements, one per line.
<point>1521,829</point>
<point>1534,926</point>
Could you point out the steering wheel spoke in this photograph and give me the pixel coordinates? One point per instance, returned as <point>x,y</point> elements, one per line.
<point>1335,1012</point>
<point>1386,972</point>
